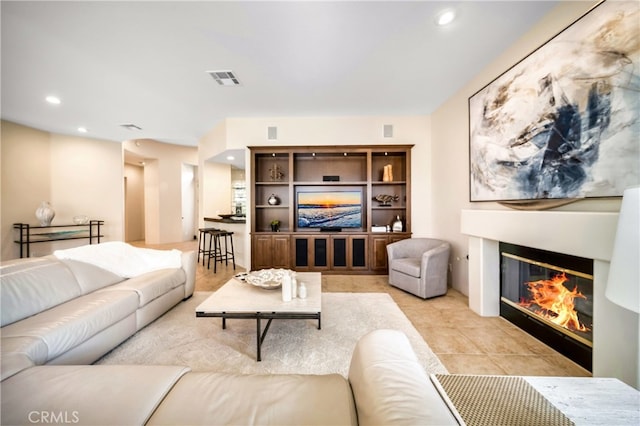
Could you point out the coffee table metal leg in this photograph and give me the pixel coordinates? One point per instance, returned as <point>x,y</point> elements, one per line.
<point>258,340</point>
<point>261,334</point>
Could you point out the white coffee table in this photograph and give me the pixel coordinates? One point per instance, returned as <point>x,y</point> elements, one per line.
<point>237,299</point>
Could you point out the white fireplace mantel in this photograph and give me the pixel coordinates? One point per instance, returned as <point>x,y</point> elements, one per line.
<point>616,331</point>
<point>584,234</point>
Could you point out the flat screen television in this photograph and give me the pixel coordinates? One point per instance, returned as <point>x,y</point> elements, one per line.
<point>329,209</point>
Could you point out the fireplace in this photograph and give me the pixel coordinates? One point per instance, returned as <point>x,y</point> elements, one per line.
<point>590,235</point>
<point>550,296</point>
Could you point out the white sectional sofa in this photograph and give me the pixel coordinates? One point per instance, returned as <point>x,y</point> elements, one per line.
<point>57,311</point>
<point>61,311</point>
<point>386,386</point>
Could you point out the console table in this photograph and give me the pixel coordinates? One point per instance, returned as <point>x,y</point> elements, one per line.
<point>30,234</point>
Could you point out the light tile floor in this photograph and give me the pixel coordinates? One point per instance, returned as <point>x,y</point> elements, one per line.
<point>465,342</point>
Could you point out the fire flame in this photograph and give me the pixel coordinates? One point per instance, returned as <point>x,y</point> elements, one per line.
<point>555,301</point>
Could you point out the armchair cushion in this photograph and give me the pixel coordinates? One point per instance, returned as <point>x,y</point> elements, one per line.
<point>409,266</point>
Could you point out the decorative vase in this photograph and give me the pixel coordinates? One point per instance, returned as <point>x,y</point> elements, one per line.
<point>275,227</point>
<point>397,225</point>
<point>387,173</point>
<point>273,200</point>
<point>45,214</point>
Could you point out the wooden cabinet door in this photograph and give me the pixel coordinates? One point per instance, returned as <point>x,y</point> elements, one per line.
<point>311,253</point>
<point>270,251</point>
<point>349,253</point>
<point>379,252</point>
<point>261,250</point>
<point>280,253</point>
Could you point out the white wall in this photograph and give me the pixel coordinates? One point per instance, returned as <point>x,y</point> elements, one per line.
<point>77,175</point>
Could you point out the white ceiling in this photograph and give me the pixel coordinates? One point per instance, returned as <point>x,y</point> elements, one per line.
<point>145,63</point>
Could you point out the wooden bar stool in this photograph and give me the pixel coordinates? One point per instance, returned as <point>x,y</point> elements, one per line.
<point>221,248</point>
<point>202,243</point>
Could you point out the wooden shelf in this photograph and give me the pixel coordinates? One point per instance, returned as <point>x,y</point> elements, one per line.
<point>286,171</point>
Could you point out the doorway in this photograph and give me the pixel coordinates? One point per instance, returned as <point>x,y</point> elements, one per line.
<point>134,219</point>
<point>189,201</point>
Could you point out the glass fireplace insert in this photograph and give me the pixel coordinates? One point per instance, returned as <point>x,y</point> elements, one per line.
<point>550,296</point>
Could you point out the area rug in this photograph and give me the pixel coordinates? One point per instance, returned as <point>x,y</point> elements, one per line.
<point>291,346</point>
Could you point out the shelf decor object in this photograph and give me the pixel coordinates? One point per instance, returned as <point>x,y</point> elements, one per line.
<point>397,225</point>
<point>385,199</point>
<point>562,124</point>
<point>273,200</point>
<point>387,173</point>
<point>276,173</point>
<point>45,213</point>
<point>80,220</point>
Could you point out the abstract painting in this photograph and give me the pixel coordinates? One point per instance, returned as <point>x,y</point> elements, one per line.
<point>563,123</point>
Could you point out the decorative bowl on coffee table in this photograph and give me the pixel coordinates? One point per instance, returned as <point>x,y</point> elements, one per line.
<point>269,279</point>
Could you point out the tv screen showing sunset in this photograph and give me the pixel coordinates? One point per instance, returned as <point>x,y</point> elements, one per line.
<point>335,209</point>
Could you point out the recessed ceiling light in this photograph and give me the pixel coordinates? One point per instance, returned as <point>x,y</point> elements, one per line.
<point>53,100</point>
<point>82,129</point>
<point>230,157</point>
<point>446,17</point>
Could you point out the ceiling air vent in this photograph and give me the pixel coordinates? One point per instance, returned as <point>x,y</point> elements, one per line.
<point>131,126</point>
<point>224,77</point>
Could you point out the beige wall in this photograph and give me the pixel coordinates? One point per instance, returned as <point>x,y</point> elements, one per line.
<point>451,143</point>
<point>238,133</point>
<point>214,191</point>
<point>78,176</point>
<point>134,203</point>
<point>162,187</point>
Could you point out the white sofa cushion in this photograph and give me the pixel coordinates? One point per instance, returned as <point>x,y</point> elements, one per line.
<point>19,353</point>
<point>151,285</point>
<point>64,327</point>
<point>229,399</point>
<point>90,277</point>
<point>87,394</point>
<point>31,286</point>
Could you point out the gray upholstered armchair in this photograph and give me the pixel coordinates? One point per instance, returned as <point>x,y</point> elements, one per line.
<point>419,266</point>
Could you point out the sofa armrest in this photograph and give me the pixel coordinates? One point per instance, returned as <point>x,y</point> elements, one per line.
<point>390,386</point>
<point>189,266</point>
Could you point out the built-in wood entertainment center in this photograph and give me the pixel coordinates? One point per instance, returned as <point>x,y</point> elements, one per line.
<point>365,188</point>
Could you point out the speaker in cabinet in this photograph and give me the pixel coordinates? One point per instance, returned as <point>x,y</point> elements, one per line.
<point>340,252</point>
<point>330,178</point>
<point>302,246</point>
<point>320,252</point>
<point>359,252</point>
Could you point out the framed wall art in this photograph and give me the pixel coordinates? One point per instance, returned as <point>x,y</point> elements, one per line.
<point>564,122</point>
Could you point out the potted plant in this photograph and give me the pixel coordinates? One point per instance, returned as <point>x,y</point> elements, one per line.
<point>275,225</point>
